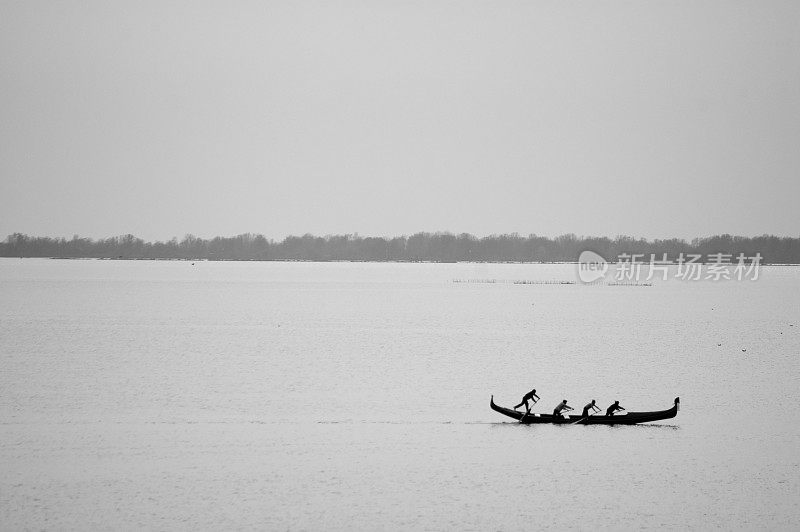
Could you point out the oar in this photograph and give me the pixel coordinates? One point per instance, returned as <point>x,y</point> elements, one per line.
<point>564,415</point>
<point>581,419</point>
<point>527,411</point>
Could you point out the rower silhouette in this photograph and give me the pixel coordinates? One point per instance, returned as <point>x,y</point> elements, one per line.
<point>530,396</point>
<point>561,406</point>
<point>589,406</point>
<point>613,408</point>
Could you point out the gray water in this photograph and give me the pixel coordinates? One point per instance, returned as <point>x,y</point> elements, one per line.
<point>308,396</point>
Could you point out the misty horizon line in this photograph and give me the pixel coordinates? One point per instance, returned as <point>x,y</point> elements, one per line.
<point>428,247</point>
<point>386,236</point>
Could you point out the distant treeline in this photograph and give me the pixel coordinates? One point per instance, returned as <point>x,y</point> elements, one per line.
<point>436,247</point>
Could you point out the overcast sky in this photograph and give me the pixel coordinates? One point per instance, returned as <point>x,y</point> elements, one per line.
<point>653,119</point>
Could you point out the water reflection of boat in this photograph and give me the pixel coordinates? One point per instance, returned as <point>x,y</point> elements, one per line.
<point>625,418</point>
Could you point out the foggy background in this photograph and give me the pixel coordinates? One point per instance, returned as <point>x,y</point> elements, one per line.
<point>655,119</point>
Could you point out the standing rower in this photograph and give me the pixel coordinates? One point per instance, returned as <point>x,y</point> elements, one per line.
<point>531,395</point>
<point>589,406</point>
<point>561,406</point>
<point>613,408</point>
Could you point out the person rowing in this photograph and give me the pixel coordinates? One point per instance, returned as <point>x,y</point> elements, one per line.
<point>591,406</point>
<point>530,396</point>
<point>613,408</point>
<point>561,406</point>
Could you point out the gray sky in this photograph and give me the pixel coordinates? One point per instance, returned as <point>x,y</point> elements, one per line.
<point>159,118</point>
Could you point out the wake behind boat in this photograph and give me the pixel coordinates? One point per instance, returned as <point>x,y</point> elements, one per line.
<point>626,418</point>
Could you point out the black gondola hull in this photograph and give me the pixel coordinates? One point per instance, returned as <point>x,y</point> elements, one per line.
<point>626,418</point>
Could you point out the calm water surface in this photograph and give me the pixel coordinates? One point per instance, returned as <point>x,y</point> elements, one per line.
<point>336,396</point>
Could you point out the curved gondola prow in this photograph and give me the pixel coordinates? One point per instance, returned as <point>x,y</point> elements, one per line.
<point>677,403</point>
<point>505,411</point>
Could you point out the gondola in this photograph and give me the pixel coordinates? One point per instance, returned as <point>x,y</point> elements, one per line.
<point>620,418</point>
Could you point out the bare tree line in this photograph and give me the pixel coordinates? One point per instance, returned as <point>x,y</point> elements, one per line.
<point>434,247</point>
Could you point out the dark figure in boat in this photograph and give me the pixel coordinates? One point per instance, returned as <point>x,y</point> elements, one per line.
<point>561,406</point>
<point>613,408</point>
<point>591,406</point>
<point>530,396</point>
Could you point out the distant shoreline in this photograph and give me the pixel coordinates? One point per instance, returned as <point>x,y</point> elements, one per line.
<point>138,259</point>
<point>419,247</point>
